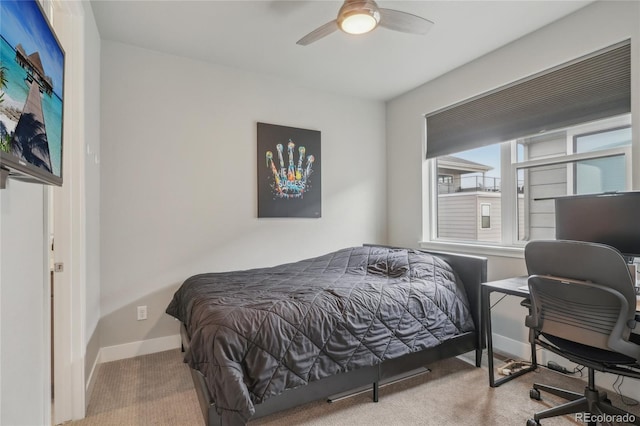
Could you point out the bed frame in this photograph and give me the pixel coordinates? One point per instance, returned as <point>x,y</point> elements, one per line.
<point>472,270</point>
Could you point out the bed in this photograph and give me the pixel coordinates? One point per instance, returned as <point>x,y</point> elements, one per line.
<point>263,340</point>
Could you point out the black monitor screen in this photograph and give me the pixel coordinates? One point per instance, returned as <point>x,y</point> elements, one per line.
<point>612,219</point>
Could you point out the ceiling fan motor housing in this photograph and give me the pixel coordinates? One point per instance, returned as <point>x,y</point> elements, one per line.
<point>355,10</point>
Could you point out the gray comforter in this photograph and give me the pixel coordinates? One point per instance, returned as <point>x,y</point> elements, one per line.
<point>258,332</point>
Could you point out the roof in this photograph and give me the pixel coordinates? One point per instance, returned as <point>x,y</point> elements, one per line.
<point>34,58</point>
<point>456,163</point>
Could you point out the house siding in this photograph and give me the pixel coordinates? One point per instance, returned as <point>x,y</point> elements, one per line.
<point>543,182</point>
<point>459,216</point>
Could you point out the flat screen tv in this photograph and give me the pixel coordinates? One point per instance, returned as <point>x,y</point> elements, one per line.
<point>31,94</point>
<point>612,219</point>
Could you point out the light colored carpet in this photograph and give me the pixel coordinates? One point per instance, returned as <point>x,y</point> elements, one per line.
<point>151,389</point>
<point>157,389</point>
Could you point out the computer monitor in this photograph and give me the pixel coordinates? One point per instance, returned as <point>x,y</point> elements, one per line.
<point>609,218</point>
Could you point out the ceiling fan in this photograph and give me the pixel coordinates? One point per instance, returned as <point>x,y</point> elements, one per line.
<point>362,16</point>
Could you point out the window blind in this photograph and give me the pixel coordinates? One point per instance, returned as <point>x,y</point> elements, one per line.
<point>591,88</point>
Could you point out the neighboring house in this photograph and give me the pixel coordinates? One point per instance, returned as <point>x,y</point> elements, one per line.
<point>547,180</point>
<point>469,202</point>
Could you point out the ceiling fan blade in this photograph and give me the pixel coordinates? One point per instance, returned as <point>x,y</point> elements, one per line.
<point>318,33</point>
<point>405,22</point>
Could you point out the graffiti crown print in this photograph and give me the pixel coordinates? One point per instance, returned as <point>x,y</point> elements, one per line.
<point>290,181</point>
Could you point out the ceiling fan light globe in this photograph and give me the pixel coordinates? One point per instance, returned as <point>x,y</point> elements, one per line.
<point>359,23</point>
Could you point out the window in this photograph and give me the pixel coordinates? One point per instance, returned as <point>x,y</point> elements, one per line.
<point>563,131</point>
<point>485,216</point>
<point>504,193</point>
<point>590,158</point>
<point>601,174</point>
<point>445,183</point>
<point>475,186</point>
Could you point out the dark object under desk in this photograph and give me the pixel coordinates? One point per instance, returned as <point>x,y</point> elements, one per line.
<point>513,287</point>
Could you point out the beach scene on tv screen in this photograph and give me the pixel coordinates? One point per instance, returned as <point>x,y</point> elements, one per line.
<point>31,86</point>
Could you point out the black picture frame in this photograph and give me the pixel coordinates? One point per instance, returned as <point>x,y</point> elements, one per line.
<point>289,172</point>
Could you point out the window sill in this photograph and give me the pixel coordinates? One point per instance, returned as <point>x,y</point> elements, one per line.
<point>477,249</point>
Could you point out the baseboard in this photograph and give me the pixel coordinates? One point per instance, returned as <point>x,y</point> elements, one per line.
<point>513,348</point>
<point>91,365</point>
<point>141,347</point>
<point>522,351</point>
<point>91,381</point>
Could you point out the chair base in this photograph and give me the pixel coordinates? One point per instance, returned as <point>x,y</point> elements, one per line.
<point>592,405</point>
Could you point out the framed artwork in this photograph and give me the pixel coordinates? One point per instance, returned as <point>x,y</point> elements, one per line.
<point>289,172</point>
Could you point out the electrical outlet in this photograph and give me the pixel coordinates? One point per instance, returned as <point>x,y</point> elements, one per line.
<point>142,313</point>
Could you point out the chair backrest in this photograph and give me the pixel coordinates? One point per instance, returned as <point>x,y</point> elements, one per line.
<point>582,292</point>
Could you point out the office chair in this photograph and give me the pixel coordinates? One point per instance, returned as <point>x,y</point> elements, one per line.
<point>583,309</point>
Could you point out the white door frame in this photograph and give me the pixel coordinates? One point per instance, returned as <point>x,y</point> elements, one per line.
<point>67,18</point>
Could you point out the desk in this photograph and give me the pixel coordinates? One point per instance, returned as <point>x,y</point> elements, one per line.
<point>510,286</point>
<point>513,287</point>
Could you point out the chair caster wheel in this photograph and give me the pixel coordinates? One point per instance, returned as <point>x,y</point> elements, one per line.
<point>532,422</point>
<point>534,394</point>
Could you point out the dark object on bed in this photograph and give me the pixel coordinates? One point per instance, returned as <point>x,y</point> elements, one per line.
<point>263,340</point>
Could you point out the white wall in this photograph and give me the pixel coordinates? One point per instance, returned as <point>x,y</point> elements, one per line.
<point>179,179</point>
<point>24,306</point>
<point>92,177</point>
<point>594,27</point>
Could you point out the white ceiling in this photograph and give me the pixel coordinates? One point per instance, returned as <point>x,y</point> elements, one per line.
<point>260,36</point>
